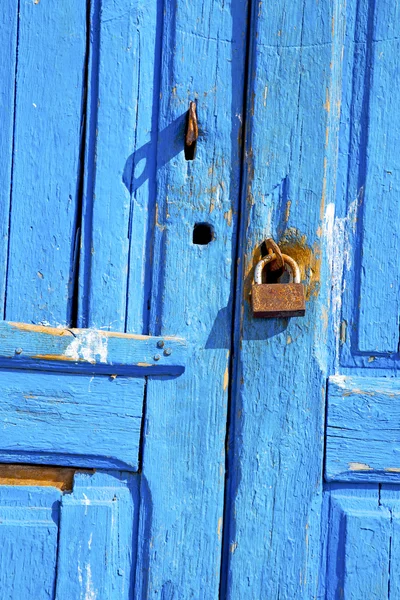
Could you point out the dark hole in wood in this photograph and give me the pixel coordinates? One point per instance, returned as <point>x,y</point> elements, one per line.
<point>203,234</point>
<point>190,151</point>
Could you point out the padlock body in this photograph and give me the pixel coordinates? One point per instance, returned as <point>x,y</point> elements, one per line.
<point>278,300</point>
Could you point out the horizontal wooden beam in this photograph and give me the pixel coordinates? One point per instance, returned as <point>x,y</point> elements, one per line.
<point>363,429</point>
<point>26,346</point>
<point>70,420</point>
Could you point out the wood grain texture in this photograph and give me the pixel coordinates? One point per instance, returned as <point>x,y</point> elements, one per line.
<point>389,498</point>
<point>359,539</point>
<point>277,417</point>
<point>8,41</point>
<point>203,49</point>
<point>118,76</point>
<point>119,195</point>
<point>363,431</point>
<point>26,346</point>
<point>70,420</point>
<point>28,530</point>
<point>77,545</point>
<point>98,538</point>
<point>366,289</point>
<point>28,475</point>
<point>45,175</point>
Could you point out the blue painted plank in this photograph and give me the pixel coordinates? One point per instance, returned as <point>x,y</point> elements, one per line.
<point>272,542</point>
<point>28,530</point>
<point>363,431</point>
<point>120,166</point>
<point>45,177</point>
<point>8,43</point>
<point>26,346</point>
<point>359,545</point>
<point>368,185</point>
<point>70,420</point>
<point>379,302</point>
<point>98,538</point>
<point>390,498</point>
<point>181,525</point>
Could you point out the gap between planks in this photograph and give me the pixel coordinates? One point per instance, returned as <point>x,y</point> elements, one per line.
<point>61,478</point>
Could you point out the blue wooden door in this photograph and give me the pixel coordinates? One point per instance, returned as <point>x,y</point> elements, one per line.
<point>117,285</point>
<point>313,483</point>
<point>156,440</point>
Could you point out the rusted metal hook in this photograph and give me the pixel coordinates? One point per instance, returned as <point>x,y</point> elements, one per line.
<point>192,128</point>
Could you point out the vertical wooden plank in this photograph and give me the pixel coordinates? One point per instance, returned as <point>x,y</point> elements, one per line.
<point>276,434</point>
<point>358,557</point>
<point>370,176</point>
<point>8,42</point>
<point>98,534</point>
<point>28,533</point>
<point>45,178</point>
<point>182,506</point>
<point>379,303</point>
<point>395,550</point>
<point>390,498</point>
<point>120,159</point>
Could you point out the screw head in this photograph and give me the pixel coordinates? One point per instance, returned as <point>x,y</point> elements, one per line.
<point>160,344</point>
<point>18,351</point>
<point>167,352</point>
<point>157,357</point>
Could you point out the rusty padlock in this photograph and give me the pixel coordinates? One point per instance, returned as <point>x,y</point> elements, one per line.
<point>278,299</point>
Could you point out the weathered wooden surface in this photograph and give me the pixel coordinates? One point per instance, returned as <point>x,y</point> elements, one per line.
<point>28,475</point>
<point>76,545</point>
<point>365,287</point>
<point>139,271</point>
<point>369,178</point>
<point>203,50</point>
<point>120,165</point>
<point>97,548</point>
<point>25,346</point>
<point>28,528</point>
<point>8,41</point>
<point>71,420</point>
<point>363,429</point>
<point>44,185</point>
<point>277,418</point>
<point>94,181</point>
<point>360,562</point>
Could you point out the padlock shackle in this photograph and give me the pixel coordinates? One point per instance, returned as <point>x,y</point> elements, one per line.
<point>288,260</point>
<point>293,266</point>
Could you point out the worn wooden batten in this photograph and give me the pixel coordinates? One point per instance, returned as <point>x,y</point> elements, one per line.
<point>27,346</point>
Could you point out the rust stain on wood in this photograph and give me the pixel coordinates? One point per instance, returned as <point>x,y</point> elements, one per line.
<point>61,478</point>
<point>77,332</point>
<point>228,216</point>
<point>294,243</point>
<point>40,329</point>
<point>226,379</point>
<point>62,357</point>
<point>287,210</point>
<point>327,105</point>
